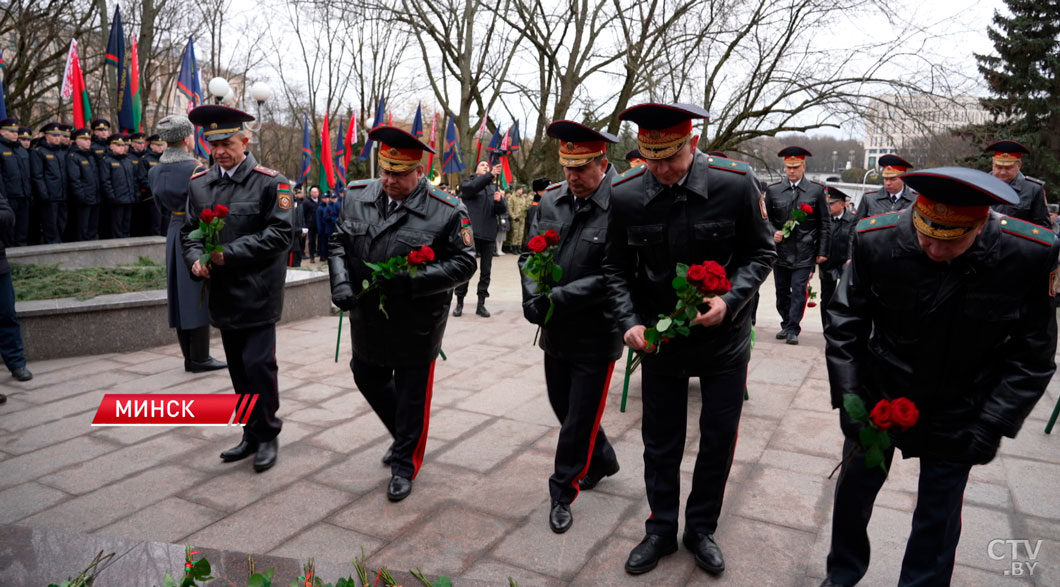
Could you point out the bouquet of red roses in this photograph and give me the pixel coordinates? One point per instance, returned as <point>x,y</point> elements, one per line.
<point>693,284</point>
<point>541,267</point>
<point>211,221</point>
<point>391,267</point>
<point>797,215</point>
<point>900,414</point>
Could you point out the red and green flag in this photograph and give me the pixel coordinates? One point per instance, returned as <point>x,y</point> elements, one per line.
<point>74,87</point>
<point>430,156</point>
<point>327,159</point>
<point>134,88</point>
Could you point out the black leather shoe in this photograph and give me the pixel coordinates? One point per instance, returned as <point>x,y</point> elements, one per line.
<point>389,456</point>
<point>21,374</point>
<point>645,556</point>
<point>210,364</point>
<point>708,554</point>
<point>240,451</point>
<point>592,478</point>
<point>559,519</point>
<point>3,399</point>
<point>782,335</point>
<point>458,309</point>
<point>481,310</point>
<point>399,488</point>
<point>792,338</point>
<point>266,456</point>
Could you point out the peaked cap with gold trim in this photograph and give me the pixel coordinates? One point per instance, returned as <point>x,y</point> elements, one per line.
<point>663,128</point>
<point>399,151</point>
<point>579,144</point>
<point>1007,153</point>
<point>954,201</point>
<point>218,122</point>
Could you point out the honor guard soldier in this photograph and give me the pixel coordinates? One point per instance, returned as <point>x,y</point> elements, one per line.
<point>893,195</point>
<point>100,133</point>
<point>120,186</point>
<point>1007,163</point>
<point>807,244</point>
<point>17,180</point>
<point>84,180</point>
<point>394,352</point>
<point>948,305</point>
<point>49,181</point>
<point>245,280</point>
<point>680,208</point>
<point>25,138</point>
<point>156,146</point>
<point>580,341</point>
<point>841,228</point>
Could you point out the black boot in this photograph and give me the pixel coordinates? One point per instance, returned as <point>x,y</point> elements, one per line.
<point>182,338</point>
<point>197,359</point>
<point>481,309</point>
<point>458,310</point>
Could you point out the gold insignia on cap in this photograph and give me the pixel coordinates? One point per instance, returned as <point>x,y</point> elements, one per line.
<point>213,125</point>
<point>570,146</point>
<point>393,151</point>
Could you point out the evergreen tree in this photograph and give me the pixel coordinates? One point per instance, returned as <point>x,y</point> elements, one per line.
<point>1024,80</point>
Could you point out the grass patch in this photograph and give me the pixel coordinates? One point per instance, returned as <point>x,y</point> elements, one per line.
<point>46,282</point>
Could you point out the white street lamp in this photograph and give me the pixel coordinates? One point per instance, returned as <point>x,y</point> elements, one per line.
<point>219,88</point>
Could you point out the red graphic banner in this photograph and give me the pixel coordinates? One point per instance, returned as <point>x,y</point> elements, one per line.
<point>184,409</point>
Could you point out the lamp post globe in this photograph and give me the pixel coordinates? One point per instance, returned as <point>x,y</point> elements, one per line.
<point>261,92</point>
<point>219,88</point>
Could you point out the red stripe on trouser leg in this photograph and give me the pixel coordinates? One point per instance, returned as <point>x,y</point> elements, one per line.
<point>806,296</point>
<point>421,445</point>
<point>592,436</point>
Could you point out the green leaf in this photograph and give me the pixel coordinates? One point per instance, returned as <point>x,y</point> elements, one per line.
<point>874,458</point>
<point>443,582</point>
<point>869,437</point>
<point>651,335</point>
<point>679,282</point>
<point>257,580</point>
<point>216,248</point>
<point>885,440</point>
<point>855,407</point>
<point>663,325</point>
<point>413,269</point>
<point>681,269</point>
<point>372,266</point>
<point>167,581</point>
<point>691,312</point>
<point>196,235</point>
<point>204,259</point>
<point>683,331</point>
<point>270,573</point>
<point>557,273</point>
<point>551,309</point>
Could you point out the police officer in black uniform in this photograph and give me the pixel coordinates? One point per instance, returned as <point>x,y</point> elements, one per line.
<point>49,181</point>
<point>1007,164</point>
<point>120,186</point>
<point>680,208</point>
<point>807,244</point>
<point>894,195</point>
<point>949,305</point>
<point>394,353</point>
<point>580,341</point>
<point>841,227</point>
<point>85,183</point>
<point>17,180</point>
<point>246,279</point>
<point>100,133</point>
<point>144,210</point>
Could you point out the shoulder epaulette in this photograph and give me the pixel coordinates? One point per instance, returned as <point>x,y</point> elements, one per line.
<point>359,183</point>
<point>1034,179</point>
<point>443,196</point>
<point>888,220</point>
<point>773,184</point>
<point>200,171</point>
<point>628,175</point>
<point>729,164</point>
<point>556,186</point>
<point>266,170</point>
<point>1027,230</point>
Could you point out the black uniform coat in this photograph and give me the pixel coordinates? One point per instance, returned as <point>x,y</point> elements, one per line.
<point>15,171</point>
<point>879,202</point>
<point>246,291</point>
<point>82,174</point>
<point>811,238</point>
<point>49,176</point>
<point>428,216</point>
<point>581,328</point>
<point>970,342</point>
<point>840,231</point>
<point>477,193</point>
<point>120,183</point>
<point>722,221</point>
<point>1032,206</point>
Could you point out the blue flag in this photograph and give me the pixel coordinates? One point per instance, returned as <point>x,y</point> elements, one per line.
<point>513,137</point>
<point>125,102</point>
<point>188,84</point>
<point>307,153</point>
<point>339,154</point>
<point>452,162</point>
<point>380,118</point>
<point>3,102</point>
<point>494,147</point>
<point>417,123</point>
<point>116,43</point>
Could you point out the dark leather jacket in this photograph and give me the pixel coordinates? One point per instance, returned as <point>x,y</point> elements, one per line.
<point>1032,206</point>
<point>841,232</point>
<point>811,237</point>
<point>246,291</point>
<point>82,175</point>
<point>477,193</point>
<point>716,215</point>
<point>581,327</point>
<point>879,202</point>
<point>15,171</point>
<point>49,179</point>
<point>120,184</point>
<point>413,333</point>
<point>970,342</point>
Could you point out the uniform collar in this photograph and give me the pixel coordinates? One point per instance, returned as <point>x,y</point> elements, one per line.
<point>694,182</point>
<point>601,197</point>
<point>240,173</point>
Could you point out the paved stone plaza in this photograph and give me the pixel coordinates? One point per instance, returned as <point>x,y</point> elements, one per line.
<point>479,508</point>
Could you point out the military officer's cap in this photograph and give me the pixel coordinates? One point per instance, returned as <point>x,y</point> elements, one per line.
<point>662,128</point>
<point>68,127</point>
<point>116,139</point>
<point>578,144</point>
<point>794,156</point>
<point>399,151</point>
<point>218,122</point>
<point>81,132</point>
<point>54,128</point>
<point>893,165</point>
<point>1007,153</point>
<point>137,136</point>
<point>835,194</point>
<point>9,124</point>
<point>540,184</point>
<point>23,133</point>
<point>100,124</point>
<point>954,201</point>
<point>633,154</point>
<point>156,140</point>
<point>174,128</point>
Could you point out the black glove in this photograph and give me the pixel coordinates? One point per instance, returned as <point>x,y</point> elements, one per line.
<point>535,309</point>
<point>983,446</point>
<point>398,286</point>
<point>342,296</point>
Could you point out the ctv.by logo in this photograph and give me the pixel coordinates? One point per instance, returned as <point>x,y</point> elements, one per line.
<point>1021,553</point>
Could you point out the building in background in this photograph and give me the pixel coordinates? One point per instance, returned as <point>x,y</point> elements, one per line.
<point>898,124</point>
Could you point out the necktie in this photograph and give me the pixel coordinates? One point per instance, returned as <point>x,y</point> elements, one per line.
<point>391,208</point>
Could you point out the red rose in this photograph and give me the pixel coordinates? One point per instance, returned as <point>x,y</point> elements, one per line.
<point>904,413</point>
<point>537,244</point>
<point>207,216</point>
<point>416,258</point>
<point>881,415</point>
<point>220,211</point>
<point>806,208</point>
<point>726,286</point>
<point>696,273</point>
<point>714,268</point>
<point>710,284</point>
<point>427,252</point>
<point>551,237</point>
<point>811,304</point>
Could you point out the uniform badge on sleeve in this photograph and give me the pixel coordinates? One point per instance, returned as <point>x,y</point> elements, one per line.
<point>283,196</point>
<point>1054,282</point>
<point>762,206</point>
<point>465,232</point>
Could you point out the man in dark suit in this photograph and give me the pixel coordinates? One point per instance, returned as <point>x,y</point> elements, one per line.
<point>484,203</point>
<point>894,195</point>
<point>841,226</point>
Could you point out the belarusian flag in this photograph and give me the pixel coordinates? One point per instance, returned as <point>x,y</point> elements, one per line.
<point>430,156</point>
<point>327,159</point>
<point>134,88</point>
<point>74,87</point>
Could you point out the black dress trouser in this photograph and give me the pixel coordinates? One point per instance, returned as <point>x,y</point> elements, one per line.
<point>251,356</point>
<point>792,292</point>
<point>485,249</point>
